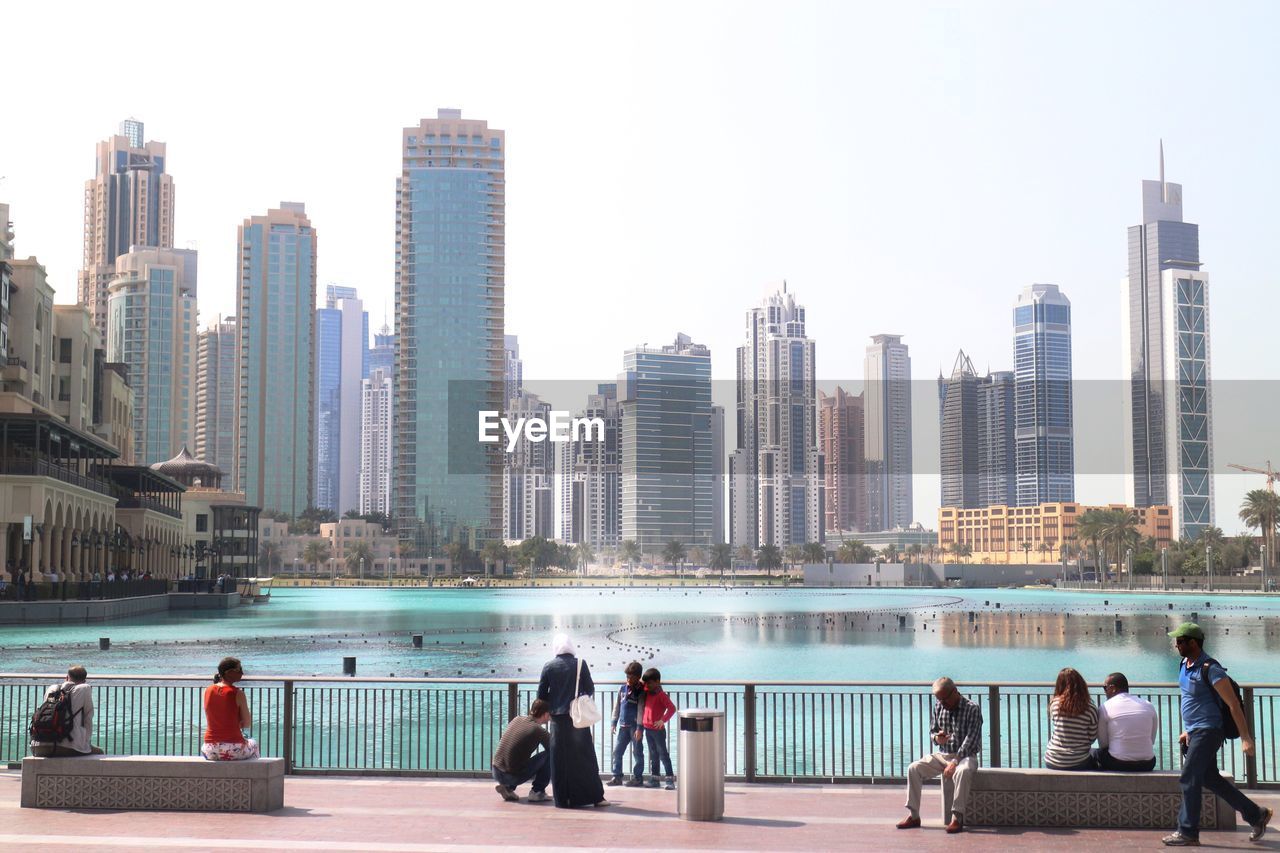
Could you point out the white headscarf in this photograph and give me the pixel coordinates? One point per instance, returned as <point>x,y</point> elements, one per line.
<point>562,645</point>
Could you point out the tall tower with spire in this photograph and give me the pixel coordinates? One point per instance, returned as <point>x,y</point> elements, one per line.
<point>1165,329</point>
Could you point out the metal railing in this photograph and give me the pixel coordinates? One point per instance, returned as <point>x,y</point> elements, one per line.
<point>777,731</point>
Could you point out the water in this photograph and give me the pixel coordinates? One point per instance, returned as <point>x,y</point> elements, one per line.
<point>689,633</point>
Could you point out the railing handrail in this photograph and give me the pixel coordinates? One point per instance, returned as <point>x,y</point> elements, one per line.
<point>499,680</point>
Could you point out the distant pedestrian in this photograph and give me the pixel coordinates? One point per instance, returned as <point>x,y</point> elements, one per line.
<point>226,711</point>
<point>955,726</point>
<point>1127,729</point>
<point>76,728</point>
<point>1206,689</point>
<point>1074,721</point>
<point>575,773</point>
<point>656,710</point>
<point>626,727</point>
<point>514,762</point>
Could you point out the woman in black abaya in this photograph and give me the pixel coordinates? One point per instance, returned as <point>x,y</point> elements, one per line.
<point>575,773</point>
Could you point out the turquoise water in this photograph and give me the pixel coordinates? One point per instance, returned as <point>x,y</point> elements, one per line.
<point>689,633</point>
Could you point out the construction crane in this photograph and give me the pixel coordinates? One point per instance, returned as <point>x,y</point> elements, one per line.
<point>1268,472</point>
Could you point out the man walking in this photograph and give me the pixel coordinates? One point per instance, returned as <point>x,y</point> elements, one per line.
<point>955,727</point>
<point>1204,684</point>
<point>1127,729</point>
<point>514,762</point>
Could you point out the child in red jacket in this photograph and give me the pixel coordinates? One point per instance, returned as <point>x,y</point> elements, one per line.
<point>656,710</point>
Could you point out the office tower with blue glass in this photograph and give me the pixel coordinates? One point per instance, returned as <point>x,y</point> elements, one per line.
<point>450,227</point>
<point>275,413</point>
<point>976,458</point>
<point>342,350</point>
<point>1165,329</point>
<point>151,329</point>
<point>1043,425</point>
<point>668,474</point>
<point>382,356</point>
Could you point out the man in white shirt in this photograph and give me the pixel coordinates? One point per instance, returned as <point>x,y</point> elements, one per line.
<point>1127,728</point>
<point>77,740</point>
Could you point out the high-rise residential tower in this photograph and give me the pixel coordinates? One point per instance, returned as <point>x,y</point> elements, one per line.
<point>528,476</point>
<point>1165,329</point>
<point>216,376</point>
<point>592,477</point>
<point>664,395</point>
<point>277,357</point>
<point>777,486</point>
<point>375,442</point>
<point>383,353</point>
<point>513,369</point>
<point>886,401</point>
<point>976,458</point>
<point>450,227</point>
<point>1042,366</point>
<point>151,329</point>
<point>997,462</point>
<point>841,441</point>
<point>128,202</point>
<point>342,348</point>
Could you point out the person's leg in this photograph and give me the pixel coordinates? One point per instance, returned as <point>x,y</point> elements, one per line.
<point>42,750</point>
<point>620,743</point>
<point>540,768</point>
<point>918,773</point>
<point>962,780</point>
<point>1233,796</point>
<point>1107,761</point>
<point>664,754</point>
<point>637,755</point>
<point>651,740</point>
<point>1201,754</point>
<point>560,751</point>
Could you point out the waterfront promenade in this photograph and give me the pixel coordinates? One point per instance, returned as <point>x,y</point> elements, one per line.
<point>412,815</point>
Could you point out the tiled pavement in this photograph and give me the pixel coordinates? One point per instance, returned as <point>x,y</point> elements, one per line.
<point>386,815</point>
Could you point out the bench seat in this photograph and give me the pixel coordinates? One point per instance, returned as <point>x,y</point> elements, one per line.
<point>1036,797</point>
<point>153,782</point>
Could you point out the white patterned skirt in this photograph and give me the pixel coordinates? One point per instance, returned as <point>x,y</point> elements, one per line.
<point>230,751</point>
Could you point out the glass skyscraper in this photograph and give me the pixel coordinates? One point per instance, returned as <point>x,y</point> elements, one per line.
<point>450,267</point>
<point>1045,445</point>
<point>342,351</point>
<point>1165,325</point>
<point>276,409</point>
<point>887,433</point>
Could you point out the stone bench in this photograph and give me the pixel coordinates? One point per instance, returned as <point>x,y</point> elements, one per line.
<point>1008,797</point>
<point>153,782</point>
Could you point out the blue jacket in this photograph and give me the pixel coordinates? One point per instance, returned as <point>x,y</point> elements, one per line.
<point>556,684</point>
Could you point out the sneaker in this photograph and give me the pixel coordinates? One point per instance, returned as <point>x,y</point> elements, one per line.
<point>602,803</point>
<point>652,783</point>
<point>506,793</point>
<point>616,780</point>
<point>1261,826</point>
<point>537,796</point>
<point>671,784</point>
<point>634,783</point>
<point>1177,839</point>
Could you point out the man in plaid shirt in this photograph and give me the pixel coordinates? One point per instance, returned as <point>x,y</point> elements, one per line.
<point>955,727</point>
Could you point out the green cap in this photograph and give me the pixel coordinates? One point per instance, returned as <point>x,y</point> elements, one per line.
<point>1188,629</point>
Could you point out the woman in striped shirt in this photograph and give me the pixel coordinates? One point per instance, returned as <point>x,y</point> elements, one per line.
<point>1074,719</point>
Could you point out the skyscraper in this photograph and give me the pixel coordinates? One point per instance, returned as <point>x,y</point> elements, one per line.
<point>592,477</point>
<point>841,441</point>
<point>997,461</point>
<point>151,329</point>
<point>776,484</point>
<point>513,369</point>
<point>276,386</point>
<point>450,226</point>
<point>664,394</point>
<point>1043,426</point>
<point>216,376</point>
<point>383,354</point>
<point>128,202</point>
<point>375,442</point>
<point>342,347</point>
<point>528,476</point>
<point>886,402</point>
<point>1165,328</point>
<point>976,457</point>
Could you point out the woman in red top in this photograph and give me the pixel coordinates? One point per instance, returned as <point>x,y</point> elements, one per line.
<point>227,713</point>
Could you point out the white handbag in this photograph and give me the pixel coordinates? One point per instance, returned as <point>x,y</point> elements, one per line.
<point>582,710</point>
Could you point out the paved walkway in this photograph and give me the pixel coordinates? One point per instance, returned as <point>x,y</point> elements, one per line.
<point>413,815</point>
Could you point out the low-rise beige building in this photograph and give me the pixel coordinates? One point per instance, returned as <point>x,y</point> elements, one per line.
<point>1034,534</point>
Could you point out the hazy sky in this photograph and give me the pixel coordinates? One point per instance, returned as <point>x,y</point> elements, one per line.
<point>906,167</point>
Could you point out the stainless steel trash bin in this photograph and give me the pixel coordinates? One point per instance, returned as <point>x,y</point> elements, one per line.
<point>700,790</point>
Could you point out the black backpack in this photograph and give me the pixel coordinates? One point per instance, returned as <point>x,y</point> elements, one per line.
<point>1229,728</point>
<point>53,720</point>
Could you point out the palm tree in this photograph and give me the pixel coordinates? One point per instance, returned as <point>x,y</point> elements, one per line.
<point>629,553</point>
<point>854,551</point>
<point>814,552</point>
<point>269,557</point>
<point>890,553</point>
<point>745,554</point>
<point>1261,509</point>
<point>585,556</point>
<point>769,558</point>
<point>1121,531</point>
<point>915,551</point>
<point>316,552</point>
<point>1045,549</point>
<point>721,558</point>
<point>673,553</point>
<point>1211,536</point>
<point>960,550</point>
<point>357,555</point>
<point>793,554</point>
<point>495,551</point>
<point>1092,527</point>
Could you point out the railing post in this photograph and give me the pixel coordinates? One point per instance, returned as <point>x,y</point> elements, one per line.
<point>1250,761</point>
<point>993,705</point>
<point>513,700</point>
<point>286,728</point>
<point>749,730</point>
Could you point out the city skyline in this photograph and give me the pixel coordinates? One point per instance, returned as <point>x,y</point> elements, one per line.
<point>1045,166</point>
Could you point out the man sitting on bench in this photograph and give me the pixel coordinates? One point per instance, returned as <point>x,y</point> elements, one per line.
<point>64,721</point>
<point>1127,729</point>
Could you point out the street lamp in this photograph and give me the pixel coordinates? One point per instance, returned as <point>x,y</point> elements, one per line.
<point>362,570</point>
<point>1208,567</point>
<point>1164,566</point>
<point>295,569</point>
<point>1128,565</point>
<point>1262,565</point>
